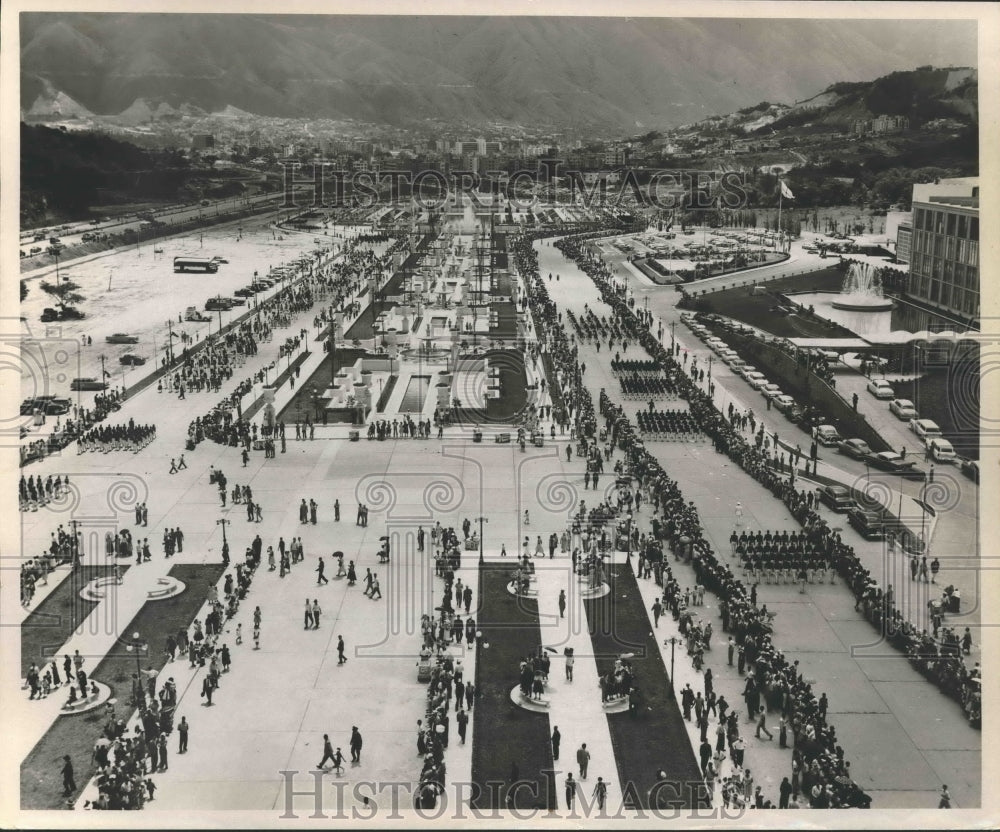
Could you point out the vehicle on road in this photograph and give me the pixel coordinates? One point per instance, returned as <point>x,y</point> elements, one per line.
<point>219,304</point>
<point>890,461</point>
<point>770,391</point>
<point>87,384</point>
<point>836,497</point>
<point>854,448</point>
<point>881,389</point>
<point>122,338</point>
<point>195,264</point>
<point>869,524</point>
<point>756,379</point>
<point>49,405</point>
<point>826,435</point>
<point>131,360</point>
<point>784,402</point>
<point>970,468</point>
<point>903,409</point>
<point>925,429</point>
<point>941,450</point>
<point>192,314</point>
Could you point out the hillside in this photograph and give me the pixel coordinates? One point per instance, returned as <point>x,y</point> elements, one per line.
<point>611,74</point>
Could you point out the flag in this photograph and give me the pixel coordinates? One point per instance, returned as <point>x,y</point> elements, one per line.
<point>786,192</point>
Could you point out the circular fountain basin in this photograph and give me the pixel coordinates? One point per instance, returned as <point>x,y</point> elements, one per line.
<point>862,303</point>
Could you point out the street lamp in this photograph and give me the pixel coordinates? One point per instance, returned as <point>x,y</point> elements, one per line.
<point>225,543</point>
<point>672,641</point>
<point>481,520</point>
<point>136,646</point>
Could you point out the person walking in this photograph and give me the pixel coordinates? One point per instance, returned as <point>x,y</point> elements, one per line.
<point>943,803</point>
<point>562,603</point>
<point>327,751</point>
<point>600,793</point>
<point>182,733</point>
<point>320,577</point>
<point>657,612</point>
<point>570,659</point>
<point>570,784</point>
<point>556,739</point>
<point>316,613</point>
<point>356,743</point>
<point>462,720</point>
<point>308,616</point>
<point>784,792</point>
<point>762,723</point>
<point>583,760</point>
<point>69,781</point>
<point>341,658</point>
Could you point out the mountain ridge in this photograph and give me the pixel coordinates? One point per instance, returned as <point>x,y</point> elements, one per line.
<point>597,74</point>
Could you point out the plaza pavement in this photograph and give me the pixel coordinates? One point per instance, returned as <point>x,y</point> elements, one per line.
<point>274,706</point>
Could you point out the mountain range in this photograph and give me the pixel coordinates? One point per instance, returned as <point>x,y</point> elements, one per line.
<point>593,74</point>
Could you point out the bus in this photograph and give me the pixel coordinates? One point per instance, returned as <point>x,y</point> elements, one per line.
<point>195,264</point>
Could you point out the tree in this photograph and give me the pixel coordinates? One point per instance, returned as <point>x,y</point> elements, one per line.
<point>24,290</point>
<point>64,293</point>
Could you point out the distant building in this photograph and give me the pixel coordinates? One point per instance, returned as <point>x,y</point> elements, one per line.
<point>202,141</point>
<point>944,256</point>
<point>904,242</point>
<point>880,125</point>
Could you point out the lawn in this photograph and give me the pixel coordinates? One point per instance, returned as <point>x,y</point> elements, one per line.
<point>742,305</point>
<point>951,398</point>
<point>41,780</point>
<point>504,734</point>
<point>656,738</point>
<point>301,403</point>
<point>52,622</point>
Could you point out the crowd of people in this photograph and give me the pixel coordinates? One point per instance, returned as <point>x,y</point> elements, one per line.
<point>34,492</point>
<point>83,420</point>
<point>130,437</point>
<point>670,425</point>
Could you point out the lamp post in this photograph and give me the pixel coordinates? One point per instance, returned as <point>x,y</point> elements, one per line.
<point>225,543</point>
<point>136,646</point>
<point>481,520</point>
<point>672,325</point>
<point>673,645</point>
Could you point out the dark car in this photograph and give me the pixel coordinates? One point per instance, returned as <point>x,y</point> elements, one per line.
<point>219,304</point>
<point>836,497</point>
<point>870,525</point>
<point>122,338</point>
<point>970,468</point>
<point>131,360</point>
<point>890,461</point>
<point>854,448</point>
<point>50,405</point>
<point>87,384</point>
<point>245,292</point>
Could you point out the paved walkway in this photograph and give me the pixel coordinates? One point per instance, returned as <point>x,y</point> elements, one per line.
<point>881,703</point>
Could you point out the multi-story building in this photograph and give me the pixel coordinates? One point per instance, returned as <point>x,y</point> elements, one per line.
<point>904,242</point>
<point>944,256</point>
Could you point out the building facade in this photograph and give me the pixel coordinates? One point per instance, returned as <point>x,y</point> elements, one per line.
<point>944,250</point>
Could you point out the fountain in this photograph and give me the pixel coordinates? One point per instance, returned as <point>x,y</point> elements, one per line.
<point>862,290</point>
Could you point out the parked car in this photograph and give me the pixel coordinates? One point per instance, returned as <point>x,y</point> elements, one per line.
<point>122,338</point>
<point>131,360</point>
<point>770,391</point>
<point>869,524</point>
<point>890,461</point>
<point>756,379</point>
<point>902,409</point>
<point>941,450</point>
<point>784,402</point>
<point>87,384</point>
<point>192,314</point>
<point>854,448</point>
<point>881,389</point>
<point>50,405</point>
<point>826,435</point>
<point>925,428</point>
<point>836,497</point>
<point>747,369</point>
<point>970,468</point>
<point>218,304</point>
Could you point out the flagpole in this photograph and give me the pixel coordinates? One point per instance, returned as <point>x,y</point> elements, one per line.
<point>781,193</point>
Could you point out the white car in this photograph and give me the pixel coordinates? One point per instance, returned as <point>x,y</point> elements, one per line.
<point>926,429</point>
<point>903,409</point>
<point>784,402</point>
<point>770,391</point>
<point>747,369</point>
<point>881,389</point>
<point>941,450</point>
<point>756,380</point>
